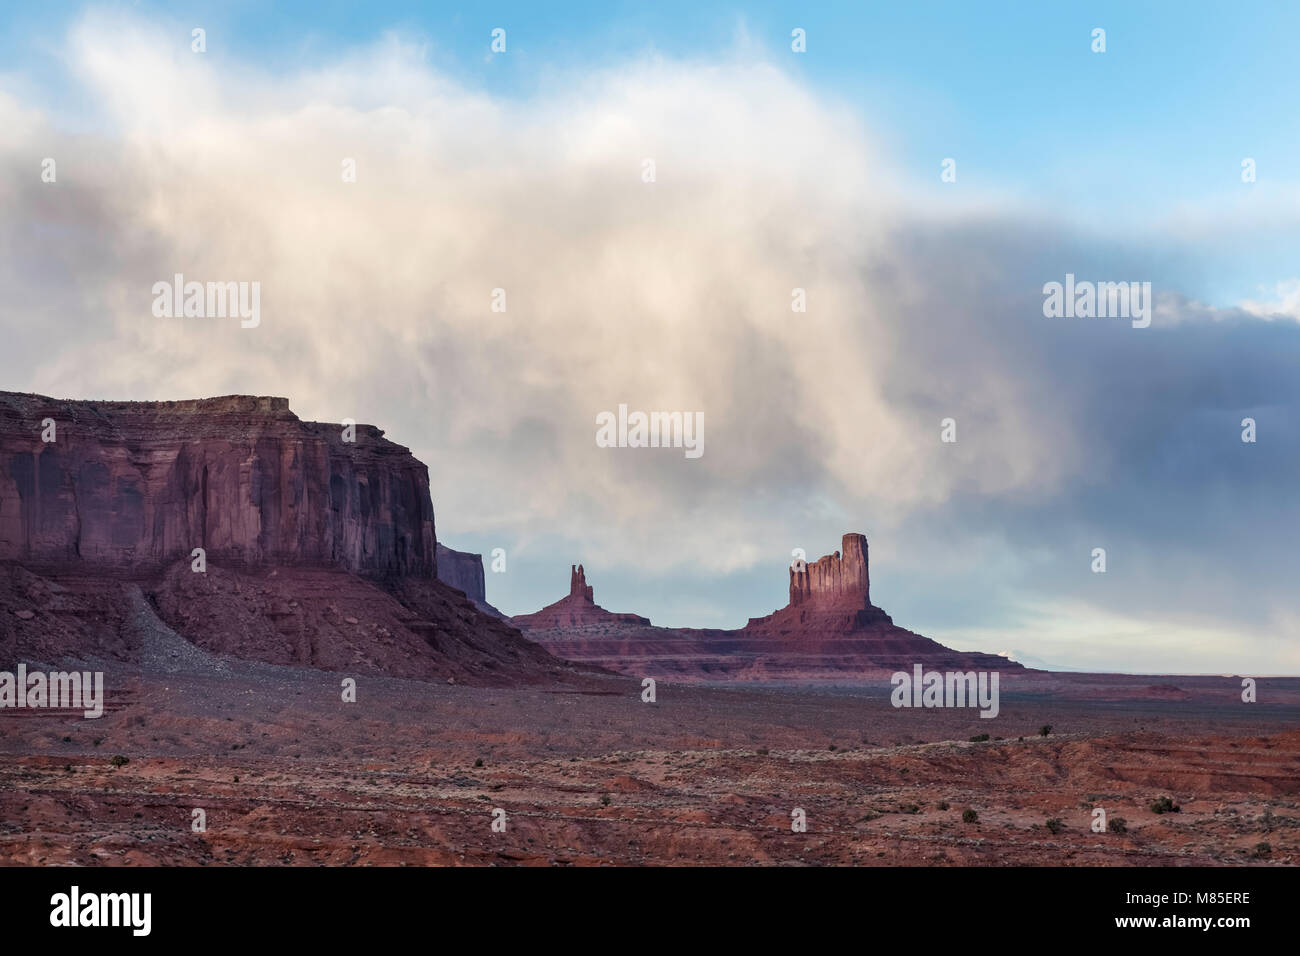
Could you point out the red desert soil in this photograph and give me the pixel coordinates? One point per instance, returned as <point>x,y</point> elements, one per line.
<point>588,774</point>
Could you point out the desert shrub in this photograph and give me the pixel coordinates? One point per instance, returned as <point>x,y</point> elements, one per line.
<point>478,762</point>
<point>1044,730</point>
<point>1117,825</point>
<point>1054,824</point>
<point>120,761</point>
<point>1164,805</point>
<point>909,808</point>
<point>1261,850</point>
<point>969,816</point>
<point>979,738</point>
<point>943,804</point>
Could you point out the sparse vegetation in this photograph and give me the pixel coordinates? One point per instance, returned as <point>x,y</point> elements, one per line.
<point>1044,730</point>
<point>979,738</point>
<point>1054,824</point>
<point>909,808</point>
<point>943,804</point>
<point>1117,825</point>
<point>119,761</point>
<point>1165,805</point>
<point>1261,850</point>
<point>478,762</point>
<point>604,800</point>
<point>969,816</point>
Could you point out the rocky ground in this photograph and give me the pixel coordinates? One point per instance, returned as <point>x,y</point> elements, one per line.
<point>587,773</point>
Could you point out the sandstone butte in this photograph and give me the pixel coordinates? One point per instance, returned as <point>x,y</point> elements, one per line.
<point>319,551</point>
<point>828,631</point>
<point>464,571</point>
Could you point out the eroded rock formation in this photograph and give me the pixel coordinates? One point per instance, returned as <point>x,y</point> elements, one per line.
<point>464,571</point>
<point>832,593</point>
<point>577,609</point>
<point>829,631</point>
<point>318,551</point>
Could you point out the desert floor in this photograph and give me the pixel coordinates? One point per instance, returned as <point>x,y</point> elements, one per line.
<point>588,774</point>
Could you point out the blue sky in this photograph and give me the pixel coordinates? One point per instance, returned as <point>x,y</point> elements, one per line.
<point>777,169</point>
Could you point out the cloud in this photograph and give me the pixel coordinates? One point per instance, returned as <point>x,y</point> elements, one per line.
<point>1284,304</point>
<point>671,295</point>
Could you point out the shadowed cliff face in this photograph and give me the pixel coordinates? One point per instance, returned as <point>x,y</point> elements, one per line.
<point>135,485</point>
<point>463,571</point>
<point>320,552</point>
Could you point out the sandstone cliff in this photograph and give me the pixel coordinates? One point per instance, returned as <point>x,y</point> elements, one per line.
<point>832,593</point>
<point>319,551</point>
<point>135,485</point>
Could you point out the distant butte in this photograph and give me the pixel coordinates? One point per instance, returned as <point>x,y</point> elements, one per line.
<point>577,609</point>
<point>828,631</point>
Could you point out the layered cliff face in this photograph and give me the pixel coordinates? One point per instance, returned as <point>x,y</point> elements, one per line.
<point>836,580</point>
<point>135,485</point>
<point>829,631</point>
<point>832,593</point>
<point>319,552</point>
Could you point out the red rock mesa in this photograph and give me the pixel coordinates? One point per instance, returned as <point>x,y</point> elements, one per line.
<point>319,551</point>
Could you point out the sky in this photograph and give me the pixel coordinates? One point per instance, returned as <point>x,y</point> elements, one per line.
<point>523,170</point>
